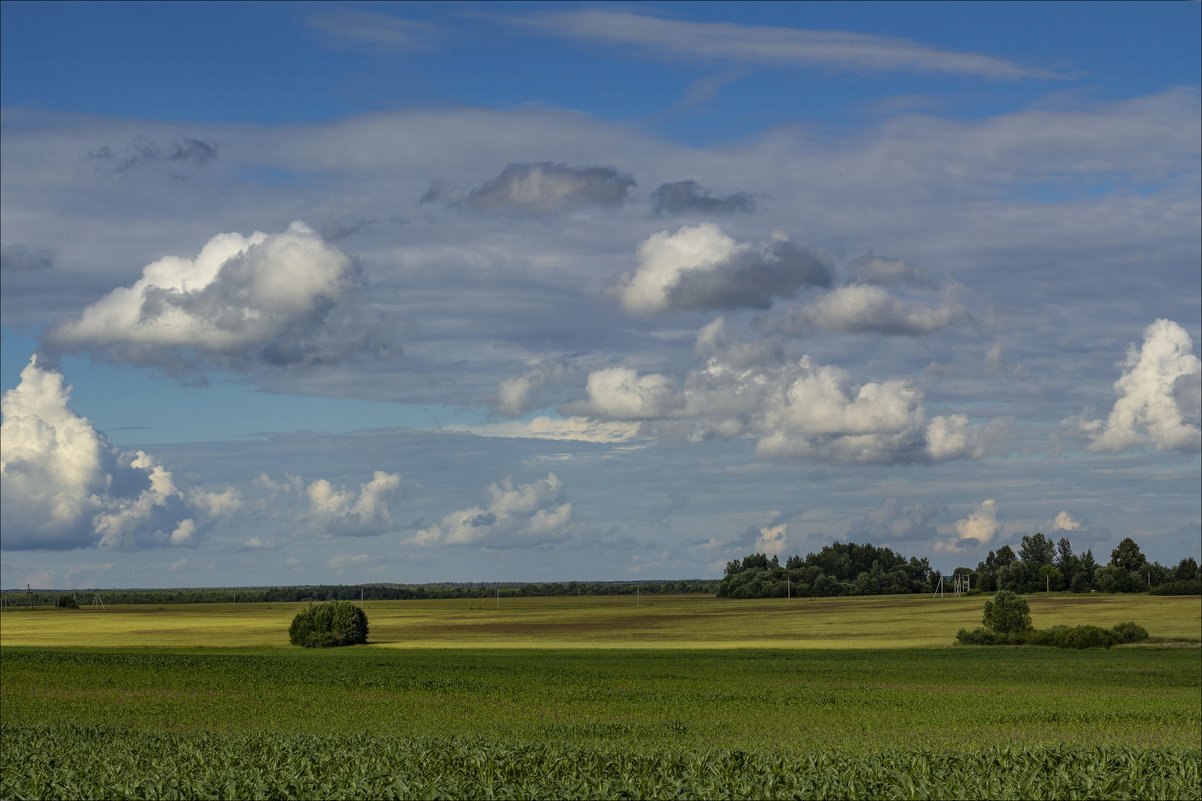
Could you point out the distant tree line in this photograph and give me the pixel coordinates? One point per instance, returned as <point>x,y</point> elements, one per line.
<point>369,592</point>
<point>1040,565</point>
<point>838,569</point>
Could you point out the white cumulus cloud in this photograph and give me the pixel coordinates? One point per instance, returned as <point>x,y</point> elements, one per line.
<point>65,486</point>
<point>981,525</point>
<point>796,409</point>
<point>1158,396</point>
<point>344,512</point>
<point>513,394</point>
<point>700,267</point>
<point>866,308</point>
<point>243,298</point>
<point>773,540</point>
<point>514,515</point>
<point>1065,522</point>
<point>620,393</point>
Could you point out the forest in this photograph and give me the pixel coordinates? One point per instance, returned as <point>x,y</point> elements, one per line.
<point>1040,565</point>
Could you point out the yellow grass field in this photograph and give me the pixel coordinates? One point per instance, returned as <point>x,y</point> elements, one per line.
<point>680,621</point>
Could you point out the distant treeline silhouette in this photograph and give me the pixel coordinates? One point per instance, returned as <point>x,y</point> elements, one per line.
<point>353,592</point>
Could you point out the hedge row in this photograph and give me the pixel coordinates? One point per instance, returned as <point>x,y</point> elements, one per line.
<point>1057,636</point>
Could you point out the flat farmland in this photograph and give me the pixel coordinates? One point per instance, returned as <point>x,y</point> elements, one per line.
<point>681,621</point>
<point>667,697</point>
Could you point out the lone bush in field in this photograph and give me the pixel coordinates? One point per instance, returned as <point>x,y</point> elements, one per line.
<point>66,601</point>
<point>1007,612</point>
<point>329,624</point>
<point>1129,632</point>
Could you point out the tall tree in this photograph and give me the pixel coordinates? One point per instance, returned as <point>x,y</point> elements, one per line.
<point>1037,549</point>
<point>1128,556</point>
<point>1066,562</point>
<point>1088,564</point>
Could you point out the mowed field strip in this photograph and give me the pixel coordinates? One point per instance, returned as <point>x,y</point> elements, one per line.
<point>680,621</point>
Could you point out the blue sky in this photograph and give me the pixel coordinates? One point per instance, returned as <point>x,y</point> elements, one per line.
<point>418,292</point>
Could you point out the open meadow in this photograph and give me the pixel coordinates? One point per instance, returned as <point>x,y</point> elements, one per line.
<point>683,696</point>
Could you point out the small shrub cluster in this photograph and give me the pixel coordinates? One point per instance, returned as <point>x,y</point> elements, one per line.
<point>329,624</point>
<point>1057,636</point>
<point>67,601</point>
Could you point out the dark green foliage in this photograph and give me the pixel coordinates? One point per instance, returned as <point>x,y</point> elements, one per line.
<point>66,601</point>
<point>1041,565</point>
<point>1057,636</point>
<point>1037,549</point>
<point>1007,612</point>
<point>1072,637</point>
<point>1192,587</point>
<point>330,624</point>
<point>1127,556</point>
<point>1116,579</point>
<point>1186,570</point>
<point>102,762</point>
<point>838,569</point>
<point>1129,632</point>
<point>985,636</point>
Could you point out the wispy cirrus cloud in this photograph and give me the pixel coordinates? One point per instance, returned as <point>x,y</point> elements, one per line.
<point>347,28</point>
<point>773,45</point>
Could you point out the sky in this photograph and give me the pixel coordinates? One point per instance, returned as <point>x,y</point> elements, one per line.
<point>371,292</point>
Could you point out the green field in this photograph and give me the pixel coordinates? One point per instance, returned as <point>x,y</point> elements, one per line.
<point>600,697</point>
<point>682,621</point>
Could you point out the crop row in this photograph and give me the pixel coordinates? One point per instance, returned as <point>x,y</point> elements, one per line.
<point>106,762</point>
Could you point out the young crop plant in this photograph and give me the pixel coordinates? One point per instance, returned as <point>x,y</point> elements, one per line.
<point>329,624</point>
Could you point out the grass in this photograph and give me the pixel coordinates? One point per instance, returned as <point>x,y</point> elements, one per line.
<point>796,701</point>
<point>597,622</point>
<point>676,697</point>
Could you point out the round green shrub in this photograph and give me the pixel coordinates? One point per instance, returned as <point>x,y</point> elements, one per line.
<point>66,601</point>
<point>329,624</point>
<point>1129,632</point>
<point>1085,637</point>
<point>1007,612</point>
